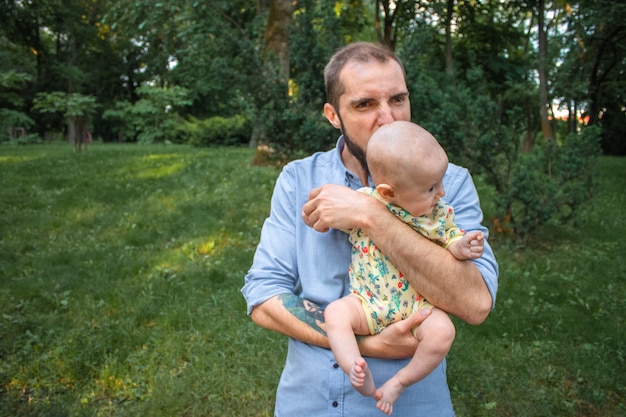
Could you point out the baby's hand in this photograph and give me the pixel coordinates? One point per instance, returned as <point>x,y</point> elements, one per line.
<point>476,244</point>
<point>471,246</point>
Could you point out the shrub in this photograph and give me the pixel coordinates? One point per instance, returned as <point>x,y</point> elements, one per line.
<point>12,118</point>
<point>217,130</point>
<point>551,182</point>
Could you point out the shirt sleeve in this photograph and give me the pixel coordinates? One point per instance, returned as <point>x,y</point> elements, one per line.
<point>273,269</point>
<point>462,195</point>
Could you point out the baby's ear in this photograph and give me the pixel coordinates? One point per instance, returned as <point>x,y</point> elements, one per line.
<point>386,192</point>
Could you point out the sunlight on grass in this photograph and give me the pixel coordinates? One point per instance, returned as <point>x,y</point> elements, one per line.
<point>165,165</point>
<point>15,159</point>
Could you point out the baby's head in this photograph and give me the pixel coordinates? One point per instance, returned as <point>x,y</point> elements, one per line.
<point>407,165</point>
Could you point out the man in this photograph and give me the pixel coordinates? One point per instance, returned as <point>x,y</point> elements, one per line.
<point>300,265</point>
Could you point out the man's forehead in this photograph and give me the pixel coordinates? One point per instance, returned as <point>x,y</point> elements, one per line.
<point>373,79</point>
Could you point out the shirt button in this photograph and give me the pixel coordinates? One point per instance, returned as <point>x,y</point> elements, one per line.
<point>335,365</point>
<point>335,403</point>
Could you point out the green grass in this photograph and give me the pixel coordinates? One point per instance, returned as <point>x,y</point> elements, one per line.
<point>120,272</point>
<point>556,344</point>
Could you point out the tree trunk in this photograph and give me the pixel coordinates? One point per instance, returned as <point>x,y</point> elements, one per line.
<point>275,52</point>
<point>449,62</point>
<point>384,31</point>
<point>546,129</point>
<point>529,137</point>
<point>277,35</point>
<point>572,122</point>
<point>597,76</point>
<point>76,131</point>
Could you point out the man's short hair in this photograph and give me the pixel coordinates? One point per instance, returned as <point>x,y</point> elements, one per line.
<point>354,52</point>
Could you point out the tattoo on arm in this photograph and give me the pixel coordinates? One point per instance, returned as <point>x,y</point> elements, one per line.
<point>304,310</point>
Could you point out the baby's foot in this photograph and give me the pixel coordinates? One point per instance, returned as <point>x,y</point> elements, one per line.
<point>361,378</point>
<point>388,394</point>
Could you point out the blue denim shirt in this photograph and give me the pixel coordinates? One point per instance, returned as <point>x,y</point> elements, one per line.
<point>293,258</point>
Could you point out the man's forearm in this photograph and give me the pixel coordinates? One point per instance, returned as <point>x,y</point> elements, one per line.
<point>452,285</point>
<point>294,317</point>
<point>303,320</point>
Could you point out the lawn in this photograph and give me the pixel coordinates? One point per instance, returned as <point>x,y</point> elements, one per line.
<point>120,271</point>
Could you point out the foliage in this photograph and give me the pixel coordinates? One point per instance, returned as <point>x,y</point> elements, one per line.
<point>69,105</point>
<point>476,89</point>
<point>532,189</point>
<point>219,58</point>
<point>217,131</point>
<point>546,184</point>
<point>551,183</point>
<point>10,119</point>
<point>153,118</point>
<point>290,126</point>
<point>592,74</point>
<point>12,82</point>
<point>292,116</point>
<point>76,108</point>
<point>121,294</point>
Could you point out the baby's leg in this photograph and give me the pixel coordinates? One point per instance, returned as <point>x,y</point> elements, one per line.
<point>435,336</point>
<point>345,318</point>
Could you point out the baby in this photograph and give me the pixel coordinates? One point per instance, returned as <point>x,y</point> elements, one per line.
<point>407,164</point>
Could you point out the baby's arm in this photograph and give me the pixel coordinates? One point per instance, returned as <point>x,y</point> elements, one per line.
<point>470,246</point>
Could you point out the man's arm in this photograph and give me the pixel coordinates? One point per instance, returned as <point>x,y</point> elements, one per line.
<point>270,284</point>
<point>294,317</point>
<point>455,286</point>
<point>304,321</point>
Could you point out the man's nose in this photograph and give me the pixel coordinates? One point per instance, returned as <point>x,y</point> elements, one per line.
<point>385,114</point>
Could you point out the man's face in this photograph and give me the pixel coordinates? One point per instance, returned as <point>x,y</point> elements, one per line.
<point>375,94</point>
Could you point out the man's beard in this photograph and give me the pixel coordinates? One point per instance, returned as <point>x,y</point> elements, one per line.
<point>355,150</point>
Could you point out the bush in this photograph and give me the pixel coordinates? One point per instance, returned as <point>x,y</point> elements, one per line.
<point>296,131</point>
<point>12,118</point>
<point>218,131</point>
<point>551,182</point>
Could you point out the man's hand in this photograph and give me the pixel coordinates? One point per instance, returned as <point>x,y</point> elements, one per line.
<point>396,341</point>
<point>338,207</point>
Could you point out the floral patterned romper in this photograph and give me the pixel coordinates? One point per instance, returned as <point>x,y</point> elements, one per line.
<point>385,294</point>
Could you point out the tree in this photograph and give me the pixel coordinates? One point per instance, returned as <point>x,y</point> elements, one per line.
<point>391,18</point>
<point>76,108</point>
<point>276,48</point>
<point>448,24</point>
<point>592,76</point>
<point>153,118</point>
<point>542,64</point>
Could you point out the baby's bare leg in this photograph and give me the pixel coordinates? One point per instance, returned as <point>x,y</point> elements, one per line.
<point>345,318</point>
<point>435,335</point>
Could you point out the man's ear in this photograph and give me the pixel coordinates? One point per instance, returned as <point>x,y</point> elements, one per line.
<point>332,115</point>
<point>386,192</point>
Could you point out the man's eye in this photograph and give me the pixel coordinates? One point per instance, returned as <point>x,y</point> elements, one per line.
<point>363,105</point>
<point>399,99</point>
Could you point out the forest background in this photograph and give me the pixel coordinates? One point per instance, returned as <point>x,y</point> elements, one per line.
<point>525,93</point>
